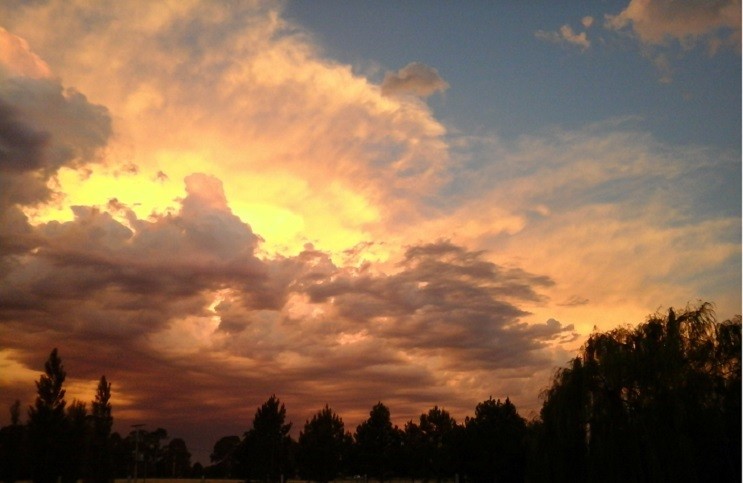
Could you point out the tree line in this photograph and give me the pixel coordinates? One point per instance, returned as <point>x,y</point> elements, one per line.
<point>659,401</point>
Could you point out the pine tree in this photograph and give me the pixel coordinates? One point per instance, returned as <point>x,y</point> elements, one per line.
<point>266,448</point>
<point>47,422</point>
<point>100,450</point>
<point>322,445</point>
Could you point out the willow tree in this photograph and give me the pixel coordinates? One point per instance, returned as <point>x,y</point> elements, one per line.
<point>660,401</point>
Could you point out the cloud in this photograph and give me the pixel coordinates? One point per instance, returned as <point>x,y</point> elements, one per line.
<point>17,59</point>
<point>44,127</point>
<point>180,299</point>
<point>269,110</point>
<point>656,22</point>
<point>415,79</point>
<point>566,35</point>
<point>292,247</point>
<point>634,222</point>
<point>21,147</point>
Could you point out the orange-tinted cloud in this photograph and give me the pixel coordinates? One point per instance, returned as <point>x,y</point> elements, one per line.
<point>658,21</point>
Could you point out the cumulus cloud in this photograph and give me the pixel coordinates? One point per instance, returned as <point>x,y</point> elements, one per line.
<point>415,79</point>
<point>658,21</point>
<point>567,36</point>
<point>265,105</point>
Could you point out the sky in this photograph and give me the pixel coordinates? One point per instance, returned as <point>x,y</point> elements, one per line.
<point>418,203</point>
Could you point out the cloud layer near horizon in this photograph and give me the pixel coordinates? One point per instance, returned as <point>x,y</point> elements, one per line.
<point>223,209</point>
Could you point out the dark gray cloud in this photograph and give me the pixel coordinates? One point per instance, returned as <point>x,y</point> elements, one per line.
<point>448,302</point>
<point>43,127</point>
<point>46,126</point>
<point>21,147</point>
<point>121,297</point>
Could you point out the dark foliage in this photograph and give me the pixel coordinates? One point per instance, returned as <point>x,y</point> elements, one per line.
<point>265,452</point>
<point>431,445</point>
<point>175,461</point>
<point>377,444</point>
<point>323,447</point>
<point>495,443</point>
<point>224,457</point>
<point>101,462</point>
<point>47,424</point>
<point>14,457</point>
<point>67,443</point>
<point>660,402</point>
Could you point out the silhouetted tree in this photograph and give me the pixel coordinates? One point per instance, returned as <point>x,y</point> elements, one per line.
<point>149,444</point>
<point>265,450</point>
<point>322,446</point>
<point>76,441</point>
<point>122,450</point>
<point>175,461</point>
<point>152,450</point>
<point>13,450</point>
<point>413,456</point>
<point>198,470</point>
<point>495,443</point>
<point>100,446</point>
<point>377,443</point>
<point>224,457</point>
<point>15,413</point>
<point>47,422</point>
<point>431,446</point>
<point>652,403</point>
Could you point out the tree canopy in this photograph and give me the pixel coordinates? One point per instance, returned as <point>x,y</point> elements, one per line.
<point>265,450</point>
<point>323,446</point>
<point>660,401</point>
<point>376,443</point>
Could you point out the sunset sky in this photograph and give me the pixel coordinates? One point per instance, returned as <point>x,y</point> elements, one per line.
<point>420,203</point>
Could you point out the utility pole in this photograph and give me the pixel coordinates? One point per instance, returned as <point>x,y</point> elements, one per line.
<point>136,448</point>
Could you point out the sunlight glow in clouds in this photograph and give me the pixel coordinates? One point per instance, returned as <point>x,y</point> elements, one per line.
<point>195,195</point>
